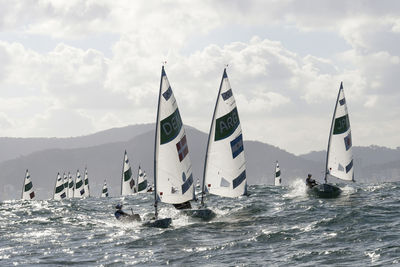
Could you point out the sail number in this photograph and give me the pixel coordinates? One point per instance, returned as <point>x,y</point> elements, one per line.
<point>170,127</point>
<point>342,124</point>
<point>226,125</point>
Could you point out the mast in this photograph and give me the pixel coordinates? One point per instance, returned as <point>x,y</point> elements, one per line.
<point>156,146</point>
<point>208,140</point>
<point>23,185</point>
<point>122,176</point>
<point>330,133</point>
<point>137,180</point>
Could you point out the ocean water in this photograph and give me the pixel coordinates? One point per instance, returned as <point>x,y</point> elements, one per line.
<point>274,226</point>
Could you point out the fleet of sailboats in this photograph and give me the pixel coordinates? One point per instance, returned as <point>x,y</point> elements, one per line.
<point>224,171</point>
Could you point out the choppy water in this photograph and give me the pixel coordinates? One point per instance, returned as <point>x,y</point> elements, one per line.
<point>273,227</point>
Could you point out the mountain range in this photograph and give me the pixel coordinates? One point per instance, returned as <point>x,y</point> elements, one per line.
<point>102,154</point>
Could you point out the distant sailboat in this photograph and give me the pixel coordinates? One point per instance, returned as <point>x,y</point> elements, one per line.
<point>141,181</point>
<point>27,188</point>
<point>339,156</point>
<point>173,179</point>
<point>79,191</point>
<point>59,190</point>
<point>65,179</point>
<point>127,181</point>
<point>104,191</point>
<point>278,181</point>
<point>70,186</point>
<point>225,164</point>
<point>86,184</point>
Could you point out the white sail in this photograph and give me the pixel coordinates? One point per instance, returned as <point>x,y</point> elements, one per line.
<point>278,180</point>
<point>339,161</point>
<point>104,191</point>
<point>172,166</point>
<point>70,186</point>
<point>127,181</point>
<point>27,188</point>
<point>141,181</point>
<point>86,184</point>
<point>79,191</point>
<point>65,179</point>
<point>59,190</point>
<point>225,164</point>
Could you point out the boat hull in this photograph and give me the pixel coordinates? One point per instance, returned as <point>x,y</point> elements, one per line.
<point>203,214</point>
<point>325,191</point>
<point>160,223</point>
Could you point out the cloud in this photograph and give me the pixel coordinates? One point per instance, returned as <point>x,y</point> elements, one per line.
<point>275,87</point>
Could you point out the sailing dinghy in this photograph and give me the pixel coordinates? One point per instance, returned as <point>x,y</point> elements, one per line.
<point>27,188</point>
<point>173,179</point>
<point>141,182</point>
<point>225,165</point>
<point>127,181</point>
<point>79,191</point>
<point>70,186</point>
<point>278,180</point>
<point>86,184</point>
<point>104,191</point>
<point>339,156</point>
<point>65,179</point>
<point>59,189</point>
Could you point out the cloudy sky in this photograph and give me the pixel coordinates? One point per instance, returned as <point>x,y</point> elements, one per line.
<point>74,67</point>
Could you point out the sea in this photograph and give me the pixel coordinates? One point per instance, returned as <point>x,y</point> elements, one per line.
<point>274,226</point>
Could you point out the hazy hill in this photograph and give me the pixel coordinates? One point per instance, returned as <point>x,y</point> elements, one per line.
<point>11,147</point>
<point>105,162</point>
<point>103,152</point>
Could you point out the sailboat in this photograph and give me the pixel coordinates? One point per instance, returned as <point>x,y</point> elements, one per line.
<point>27,188</point>
<point>86,184</point>
<point>70,186</point>
<point>104,191</point>
<point>339,156</point>
<point>79,191</point>
<point>65,179</point>
<point>278,180</point>
<point>141,182</point>
<point>225,165</point>
<point>127,181</point>
<point>59,189</point>
<point>173,179</point>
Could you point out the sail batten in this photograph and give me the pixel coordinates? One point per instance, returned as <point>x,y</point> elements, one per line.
<point>339,158</point>
<point>225,164</point>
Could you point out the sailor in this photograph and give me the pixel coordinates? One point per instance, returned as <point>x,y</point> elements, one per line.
<point>119,212</point>
<point>310,182</point>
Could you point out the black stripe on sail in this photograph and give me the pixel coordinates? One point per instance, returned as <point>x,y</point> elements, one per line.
<point>238,180</point>
<point>349,166</point>
<point>59,188</point>
<point>127,175</point>
<point>142,185</point>
<point>79,184</point>
<point>187,184</point>
<point>28,186</point>
<point>278,173</point>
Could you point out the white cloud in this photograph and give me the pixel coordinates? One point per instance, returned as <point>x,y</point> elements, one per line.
<point>276,88</point>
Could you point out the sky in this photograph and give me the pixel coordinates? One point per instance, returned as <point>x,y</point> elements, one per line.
<point>72,68</point>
